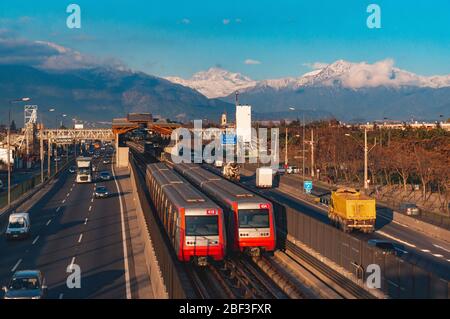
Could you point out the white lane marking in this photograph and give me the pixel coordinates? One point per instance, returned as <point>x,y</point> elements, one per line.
<point>35,240</point>
<point>67,194</point>
<point>392,221</point>
<point>57,210</point>
<point>92,200</point>
<point>63,201</point>
<point>124,239</point>
<point>71,263</point>
<point>49,221</point>
<point>440,247</point>
<point>425,250</point>
<point>438,255</point>
<point>16,265</point>
<point>79,239</point>
<point>61,296</point>
<point>90,208</point>
<point>395,238</point>
<point>85,221</point>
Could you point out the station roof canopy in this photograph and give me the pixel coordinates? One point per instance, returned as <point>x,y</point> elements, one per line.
<point>135,120</point>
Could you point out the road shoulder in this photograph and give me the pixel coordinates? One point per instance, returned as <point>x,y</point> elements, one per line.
<point>140,283</point>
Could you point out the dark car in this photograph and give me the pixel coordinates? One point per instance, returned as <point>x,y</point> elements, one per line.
<point>388,247</point>
<point>26,284</point>
<point>101,192</point>
<point>72,169</point>
<point>106,161</point>
<point>410,209</point>
<point>106,176</point>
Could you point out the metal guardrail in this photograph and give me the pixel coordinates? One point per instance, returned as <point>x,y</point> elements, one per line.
<point>22,192</point>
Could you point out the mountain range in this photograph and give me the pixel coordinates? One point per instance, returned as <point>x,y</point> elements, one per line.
<point>345,90</point>
<point>102,93</point>
<point>349,91</point>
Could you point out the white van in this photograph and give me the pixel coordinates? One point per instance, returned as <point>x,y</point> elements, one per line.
<point>19,226</point>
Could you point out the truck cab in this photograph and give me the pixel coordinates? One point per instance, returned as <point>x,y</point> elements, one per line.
<point>84,169</point>
<point>19,226</point>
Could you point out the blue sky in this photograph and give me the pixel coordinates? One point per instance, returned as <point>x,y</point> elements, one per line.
<point>176,37</point>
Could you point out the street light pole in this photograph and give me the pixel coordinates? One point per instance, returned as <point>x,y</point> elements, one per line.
<point>303,150</point>
<point>24,99</point>
<point>286,147</point>
<point>366,151</point>
<point>312,153</point>
<point>41,151</point>
<point>9,155</point>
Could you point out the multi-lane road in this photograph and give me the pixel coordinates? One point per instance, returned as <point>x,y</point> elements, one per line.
<point>70,227</point>
<point>416,244</point>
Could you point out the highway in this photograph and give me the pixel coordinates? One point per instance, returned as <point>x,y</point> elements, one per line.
<point>69,227</point>
<point>432,250</point>
<point>418,247</point>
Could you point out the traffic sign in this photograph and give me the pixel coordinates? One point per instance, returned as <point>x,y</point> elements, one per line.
<point>228,139</point>
<point>307,186</point>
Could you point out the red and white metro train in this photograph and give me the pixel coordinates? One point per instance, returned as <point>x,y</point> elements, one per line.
<point>249,218</point>
<point>193,222</point>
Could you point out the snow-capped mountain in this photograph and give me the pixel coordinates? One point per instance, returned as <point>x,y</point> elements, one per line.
<point>215,82</point>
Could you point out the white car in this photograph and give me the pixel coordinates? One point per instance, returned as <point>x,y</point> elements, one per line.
<point>19,226</point>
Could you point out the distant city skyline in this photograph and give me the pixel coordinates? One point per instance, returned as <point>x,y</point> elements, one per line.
<point>260,39</point>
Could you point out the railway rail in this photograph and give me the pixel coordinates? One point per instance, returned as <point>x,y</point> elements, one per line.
<point>347,288</point>
<point>260,277</point>
<point>232,278</point>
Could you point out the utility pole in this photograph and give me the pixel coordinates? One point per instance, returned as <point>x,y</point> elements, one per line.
<point>41,151</point>
<point>49,153</point>
<point>303,151</point>
<point>56,158</point>
<point>286,147</point>
<point>9,155</point>
<point>312,153</point>
<point>366,151</point>
<point>366,154</point>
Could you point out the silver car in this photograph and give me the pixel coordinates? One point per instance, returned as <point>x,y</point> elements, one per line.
<point>26,284</point>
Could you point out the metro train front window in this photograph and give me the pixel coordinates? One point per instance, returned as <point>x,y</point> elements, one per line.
<point>253,218</point>
<point>202,226</point>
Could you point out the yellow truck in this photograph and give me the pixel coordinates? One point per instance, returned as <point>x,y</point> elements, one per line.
<point>349,209</point>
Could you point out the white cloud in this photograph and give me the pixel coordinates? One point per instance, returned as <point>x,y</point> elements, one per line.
<point>315,65</point>
<point>252,62</point>
<point>47,55</point>
<point>238,20</point>
<point>185,21</point>
<point>226,21</point>
<point>381,73</point>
